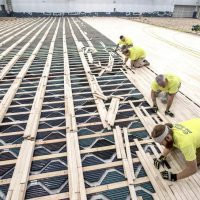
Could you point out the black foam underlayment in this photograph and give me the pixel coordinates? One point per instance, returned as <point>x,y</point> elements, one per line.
<point>53,117</point>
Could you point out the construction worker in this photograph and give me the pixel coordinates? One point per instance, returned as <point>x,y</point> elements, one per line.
<point>184,136</point>
<point>136,56</point>
<point>169,84</point>
<point>124,41</point>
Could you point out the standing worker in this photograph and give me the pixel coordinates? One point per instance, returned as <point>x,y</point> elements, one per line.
<point>124,41</point>
<point>170,84</point>
<point>136,55</point>
<point>184,136</point>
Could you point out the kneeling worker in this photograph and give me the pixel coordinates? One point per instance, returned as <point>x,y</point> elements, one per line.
<point>184,136</point>
<point>136,55</point>
<point>124,41</point>
<point>170,84</point>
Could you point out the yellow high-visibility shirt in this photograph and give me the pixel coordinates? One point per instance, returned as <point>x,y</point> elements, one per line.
<point>136,53</point>
<point>186,137</point>
<point>127,41</point>
<point>172,86</point>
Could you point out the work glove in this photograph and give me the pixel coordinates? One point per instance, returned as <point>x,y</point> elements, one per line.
<point>155,108</point>
<point>161,161</point>
<point>169,113</point>
<point>169,176</point>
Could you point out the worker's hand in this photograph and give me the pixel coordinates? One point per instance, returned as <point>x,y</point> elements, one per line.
<point>161,161</point>
<point>169,176</point>
<point>169,113</point>
<point>155,108</point>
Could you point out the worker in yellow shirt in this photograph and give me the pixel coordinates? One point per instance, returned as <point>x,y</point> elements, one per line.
<point>124,41</point>
<point>136,55</point>
<point>169,84</point>
<point>184,136</point>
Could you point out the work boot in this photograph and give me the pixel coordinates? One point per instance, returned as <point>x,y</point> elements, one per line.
<point>164,97</point>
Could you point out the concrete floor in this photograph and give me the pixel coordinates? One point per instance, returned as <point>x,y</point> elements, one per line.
<point>167,50</point>
<point>180,24</point>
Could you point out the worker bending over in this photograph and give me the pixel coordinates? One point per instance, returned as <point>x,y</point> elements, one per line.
<point>124,41</point>
<point>184,136</point>
<point>170,84</point>
<point>136,55</point>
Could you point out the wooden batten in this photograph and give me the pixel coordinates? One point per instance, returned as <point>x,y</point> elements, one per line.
<point>76,180</point>
<point>90,58</point>
<point>101,72</point>
<point>119,156</point>
<point>128,152</point>
<point>121,142</point>
<point>112,111</point>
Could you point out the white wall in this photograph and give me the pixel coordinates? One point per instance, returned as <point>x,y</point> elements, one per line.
<point>96,5</point>
<point>1,2</point>
<point>185,2</point>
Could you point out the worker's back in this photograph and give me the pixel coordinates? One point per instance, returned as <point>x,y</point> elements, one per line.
<point>136,53</point>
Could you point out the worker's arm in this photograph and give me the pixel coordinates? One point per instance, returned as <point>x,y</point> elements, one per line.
<point>116,47</point>
<point>191,168</point>
<point>166,152</point>
<point>125,60</point>
<point>153,97</point>
<point>162,159</point>
<point>132,63</point>
<point>169,101</point>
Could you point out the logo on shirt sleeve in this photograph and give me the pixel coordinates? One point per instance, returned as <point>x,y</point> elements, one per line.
<point>183,129</point>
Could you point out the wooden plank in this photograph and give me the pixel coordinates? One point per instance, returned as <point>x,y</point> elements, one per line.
<point>119,156</point>
<point>90,58</point>
<point>101,72</point>
<point>121,142</point>
<point>128,152</point>
<point>112,111</point>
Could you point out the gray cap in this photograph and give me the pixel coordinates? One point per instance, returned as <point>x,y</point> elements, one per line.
<point>160,78</point>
